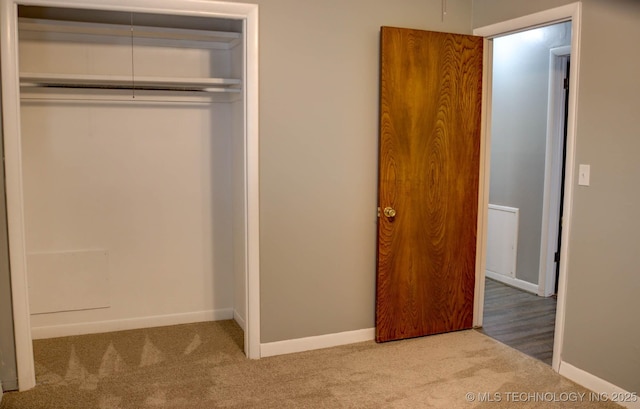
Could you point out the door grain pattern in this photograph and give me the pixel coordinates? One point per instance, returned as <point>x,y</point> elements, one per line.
<point>430,112</point>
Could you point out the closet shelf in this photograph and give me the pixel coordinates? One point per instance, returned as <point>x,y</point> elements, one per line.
<point>120,30</point>
<point>28,79</point>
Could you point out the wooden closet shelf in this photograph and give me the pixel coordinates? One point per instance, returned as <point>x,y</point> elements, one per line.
<point>127,82</point>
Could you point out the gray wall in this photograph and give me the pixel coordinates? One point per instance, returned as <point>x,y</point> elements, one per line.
<point>519,131</point>
<point>8,374</point>
<point>602,335</point>
<point>319,151</point>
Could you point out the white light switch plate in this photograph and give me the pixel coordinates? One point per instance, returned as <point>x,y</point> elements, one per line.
<point>584,174</point>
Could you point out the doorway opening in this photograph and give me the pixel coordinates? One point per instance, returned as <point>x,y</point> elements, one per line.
<point>524,260</point>
<point>528,139</point>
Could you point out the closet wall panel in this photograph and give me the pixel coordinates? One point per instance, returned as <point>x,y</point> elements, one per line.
<point>149,184</point>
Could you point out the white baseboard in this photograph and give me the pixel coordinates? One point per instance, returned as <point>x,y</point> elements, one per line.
<point>240,320</point>
<point>96,327</point>
<point>603,389</point>
<point>318,342</point>
<point>514,282</point>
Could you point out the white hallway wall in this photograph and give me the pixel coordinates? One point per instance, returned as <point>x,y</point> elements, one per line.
<point>519,131</point>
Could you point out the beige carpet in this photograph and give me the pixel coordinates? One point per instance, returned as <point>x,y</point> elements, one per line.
<point>202,366</point>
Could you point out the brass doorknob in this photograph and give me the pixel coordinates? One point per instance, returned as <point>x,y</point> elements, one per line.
<point>389,212</point>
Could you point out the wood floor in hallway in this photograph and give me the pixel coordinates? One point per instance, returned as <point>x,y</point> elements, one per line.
<point>519,319</point>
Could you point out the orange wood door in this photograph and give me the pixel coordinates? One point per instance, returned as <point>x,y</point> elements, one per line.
<point>430,103</point>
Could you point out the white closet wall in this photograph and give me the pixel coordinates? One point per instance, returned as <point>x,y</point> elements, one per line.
<point>134,208</point>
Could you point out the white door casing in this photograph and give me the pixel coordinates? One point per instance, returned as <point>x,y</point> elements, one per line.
<point>558,59</point>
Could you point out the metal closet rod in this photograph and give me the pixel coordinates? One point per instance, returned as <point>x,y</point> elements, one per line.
<point>91,81</point>
<point>132,87</point>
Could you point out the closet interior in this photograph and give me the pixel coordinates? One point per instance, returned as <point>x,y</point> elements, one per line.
<point>133,158</point>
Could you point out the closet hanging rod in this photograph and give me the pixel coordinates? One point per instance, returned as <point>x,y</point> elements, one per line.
<point>125,83</point>
<point>130,88</point>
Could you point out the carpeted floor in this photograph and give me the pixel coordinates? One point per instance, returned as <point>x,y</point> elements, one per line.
<point>202,366</point>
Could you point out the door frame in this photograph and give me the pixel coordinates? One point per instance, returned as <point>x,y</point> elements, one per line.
<point>248,13</point>
<point>558,59</point>
<point>570,12</point>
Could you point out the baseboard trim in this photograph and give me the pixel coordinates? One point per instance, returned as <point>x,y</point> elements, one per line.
<point>96,327</point>
<point>290,346</point>
<point>514,282</point>
<point>239,319</point>
<point>601,388</point>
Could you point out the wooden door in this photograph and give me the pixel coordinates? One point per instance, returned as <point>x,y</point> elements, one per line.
<point>430,103</point>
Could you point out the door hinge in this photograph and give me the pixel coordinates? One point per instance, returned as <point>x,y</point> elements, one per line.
<point>566,83</point>
<point>556,257</point>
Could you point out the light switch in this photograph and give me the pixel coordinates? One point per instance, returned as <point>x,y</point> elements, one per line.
<point>583,175</point>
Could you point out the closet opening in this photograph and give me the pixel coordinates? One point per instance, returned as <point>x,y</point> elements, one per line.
<point>137,141</point>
